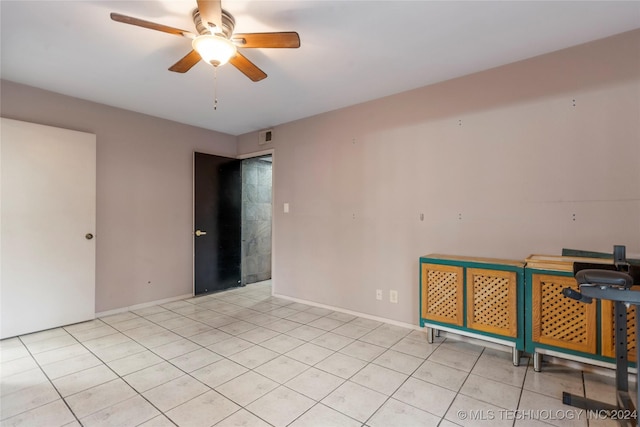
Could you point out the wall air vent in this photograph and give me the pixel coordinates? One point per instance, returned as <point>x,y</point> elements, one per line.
<point>265,137</point>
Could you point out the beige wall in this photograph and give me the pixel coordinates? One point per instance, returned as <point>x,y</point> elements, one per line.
<point>498,162</point>
<point>144,191</point>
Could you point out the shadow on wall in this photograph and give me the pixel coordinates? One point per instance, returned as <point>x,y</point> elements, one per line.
<point>256,219</point>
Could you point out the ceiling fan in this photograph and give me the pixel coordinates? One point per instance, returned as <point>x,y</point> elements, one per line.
<point>215,42</point>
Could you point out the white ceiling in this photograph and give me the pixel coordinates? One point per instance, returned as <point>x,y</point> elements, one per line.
<point>352,51</point>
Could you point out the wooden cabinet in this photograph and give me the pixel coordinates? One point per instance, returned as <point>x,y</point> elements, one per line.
<point>492,301</point>
<point>477,297</point>
<point>520,306</point>
<point>442,293</point>
<point>560,321</point>
<point>563,327</point>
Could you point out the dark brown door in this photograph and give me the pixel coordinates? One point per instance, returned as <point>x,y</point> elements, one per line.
<point>217,237</point>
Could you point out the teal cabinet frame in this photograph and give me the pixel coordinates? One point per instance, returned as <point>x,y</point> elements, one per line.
<point>462,326</point>
<point>538,343</point>
<point>534,334</point>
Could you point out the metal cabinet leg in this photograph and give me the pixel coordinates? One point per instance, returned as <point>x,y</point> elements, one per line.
<point>430,335</point>
<point>537,361</point>
<point>437,333</point>
<point>516,356</point>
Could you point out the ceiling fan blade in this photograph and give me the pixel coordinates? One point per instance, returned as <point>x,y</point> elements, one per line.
<point>289,39</point>
<point>247,67</point>
<point>185,64</point>
<point>151,25</point>
<point>211,11</point>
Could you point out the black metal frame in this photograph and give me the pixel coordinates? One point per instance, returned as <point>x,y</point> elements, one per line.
<point>625,409</point>
<point>613,286</point>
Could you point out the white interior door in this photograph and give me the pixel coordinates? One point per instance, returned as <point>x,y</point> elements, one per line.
<point>47,219</point>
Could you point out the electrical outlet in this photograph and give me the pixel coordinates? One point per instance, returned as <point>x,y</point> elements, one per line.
<point>379,294</point>
<point>393,296</point>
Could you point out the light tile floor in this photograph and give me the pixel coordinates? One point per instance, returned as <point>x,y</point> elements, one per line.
<point>244,358</point>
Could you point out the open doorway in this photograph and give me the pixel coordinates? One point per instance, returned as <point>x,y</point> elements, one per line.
<point>257,179</point>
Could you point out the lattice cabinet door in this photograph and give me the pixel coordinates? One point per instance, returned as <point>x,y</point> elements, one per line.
<point>608,321</point>
<point>492,301</point>
<point>560,321</point>
<point>442,293</point>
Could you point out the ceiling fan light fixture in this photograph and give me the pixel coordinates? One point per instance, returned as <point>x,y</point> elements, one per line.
<point>214,50</point>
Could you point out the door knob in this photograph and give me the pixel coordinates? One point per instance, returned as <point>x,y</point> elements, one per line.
<point>199,233</point>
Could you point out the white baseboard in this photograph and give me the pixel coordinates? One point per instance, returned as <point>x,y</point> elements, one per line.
<point>446,334</point>
<point>143,305</point>
<point>353,313</point>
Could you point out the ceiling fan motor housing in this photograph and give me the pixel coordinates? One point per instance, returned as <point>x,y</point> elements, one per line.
<point>228,24</point>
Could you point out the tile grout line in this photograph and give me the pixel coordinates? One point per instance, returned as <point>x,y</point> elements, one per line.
<point>403,382</point>
<point>168,361</point>
<point>49,379</point>
<point>462,385</point>
<point>202,347</point>
<point>138,393</point>
<point>258,300</point>
<point>189,374</point>
<point>316,402</point>
<point>521,390</point>
<point>150,349</point>
<point>280,354</point>
<point>20,338</point>
<point>114,372</point>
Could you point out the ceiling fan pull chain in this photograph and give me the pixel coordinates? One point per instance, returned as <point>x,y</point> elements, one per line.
<point>215,88</point>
